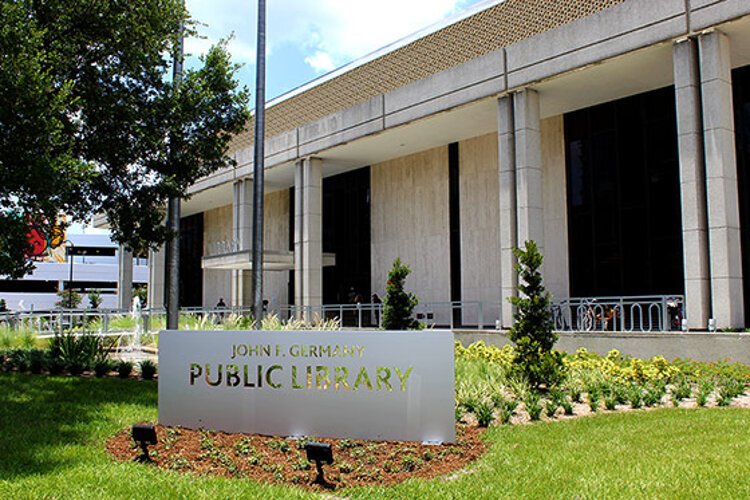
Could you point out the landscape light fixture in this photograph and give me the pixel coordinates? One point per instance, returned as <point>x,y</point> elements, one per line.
<point>144,435</point>
<point>319,453</point>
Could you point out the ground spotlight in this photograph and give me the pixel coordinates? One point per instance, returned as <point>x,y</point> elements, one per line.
<point>144,435</point>
<point>319,453</point>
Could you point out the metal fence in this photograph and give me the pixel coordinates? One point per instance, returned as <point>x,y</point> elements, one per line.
<point>588,314</point>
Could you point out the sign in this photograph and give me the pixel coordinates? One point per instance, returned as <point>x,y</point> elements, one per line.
<point>361,385</point>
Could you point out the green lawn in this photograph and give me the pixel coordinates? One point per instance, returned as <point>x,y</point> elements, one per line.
<point>52,433</point>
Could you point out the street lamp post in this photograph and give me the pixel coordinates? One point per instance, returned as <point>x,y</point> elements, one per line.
<point>258,166</point>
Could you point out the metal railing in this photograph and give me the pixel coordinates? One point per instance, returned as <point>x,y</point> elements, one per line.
<point>586,314</point>
<point>620,314</point>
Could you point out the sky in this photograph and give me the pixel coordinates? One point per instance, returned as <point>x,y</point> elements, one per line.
<point>309,38</point>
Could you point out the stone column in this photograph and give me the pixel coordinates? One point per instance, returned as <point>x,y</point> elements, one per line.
<point>242,231</point>
<point>298,223</point>
<point>125,278</point>
<point>508,217</point>
<point>312,232</point>
<point>692,183</point>
<point>721,180</point>
<point>530,205</point>
<point>156,278</point>
<point>308,233</point>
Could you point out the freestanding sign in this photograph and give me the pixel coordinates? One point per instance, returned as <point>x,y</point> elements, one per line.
<point>362,385</point>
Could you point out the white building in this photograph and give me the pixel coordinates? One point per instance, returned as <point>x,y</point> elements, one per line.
<point>95,266</point>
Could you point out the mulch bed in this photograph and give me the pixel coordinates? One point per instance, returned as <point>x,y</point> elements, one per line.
<point>282,461</point>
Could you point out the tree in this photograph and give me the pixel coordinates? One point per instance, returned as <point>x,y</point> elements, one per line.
<point>95,299</point>
<point>68,299</point>
<point>398,304</point>
<point>90,120</point>
<point>532,331</point>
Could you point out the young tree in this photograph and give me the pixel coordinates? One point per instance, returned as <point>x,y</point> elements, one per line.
<point>90,120</point>
<point>398,304</point>
<point>532,331</point>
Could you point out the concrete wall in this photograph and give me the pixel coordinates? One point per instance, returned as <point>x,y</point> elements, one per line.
<point>480,242</point>
<point>409,200</point>
<point>276,237</point>
<point>217,226</point>
<point>699,346</point>
<point>556,276</point>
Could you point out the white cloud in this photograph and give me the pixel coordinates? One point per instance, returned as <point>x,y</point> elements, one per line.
<point>330,32</point>
<point>345,30</point>
<point>320,62</point>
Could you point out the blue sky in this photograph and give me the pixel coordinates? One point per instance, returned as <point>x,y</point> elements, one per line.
<point>308,38</point>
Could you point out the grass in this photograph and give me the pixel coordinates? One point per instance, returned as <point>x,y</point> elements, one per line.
<point>53,429</point>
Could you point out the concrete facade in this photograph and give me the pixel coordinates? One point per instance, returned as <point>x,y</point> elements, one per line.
<point>409,198</point>
<point>506,110</point>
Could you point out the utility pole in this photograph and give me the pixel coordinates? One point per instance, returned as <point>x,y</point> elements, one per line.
<point>258,165</point>
<point>172,276</point>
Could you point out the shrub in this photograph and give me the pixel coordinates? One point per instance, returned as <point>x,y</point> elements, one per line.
<point>54,364</point>
<point>550,408</point>
<point>19,359</point>
<point>507,410</point>
<point>635,396</point>
<point>681,390</point>
<point>398,304</point>
<point>567,406</point>
<point>594,395</point>
<point>124,369</point>
<point>102,367</point>
<point>485,413</point>
<point>532,331</point>
<point>533,405</point>
<point>705,389</point>
<point>95,299</point>
<point>148,369</point>
<point>68,299</point>
<point>78,353</point>
<point>37,361</point>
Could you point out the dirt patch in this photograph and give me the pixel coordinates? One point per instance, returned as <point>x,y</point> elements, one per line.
<point>283,461</point>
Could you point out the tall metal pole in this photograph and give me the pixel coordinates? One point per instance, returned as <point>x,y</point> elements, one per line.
<point>172,278</point>
<point>70,275</point>
<point>258,164</point>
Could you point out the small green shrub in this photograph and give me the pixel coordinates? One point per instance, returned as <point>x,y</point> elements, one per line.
<point>610,402</point>
<point>533,405</point>
<point>409,463</point>
<point>54,365</point>
<point>532,332</point>
<point>280,445</point>
<point>681,390</point>
<point>19,360</point>
<point>102,367</point>
<point>124,369</point>
<point>550,407</point>
<point>576,394</point>
<point>594,396</point>
<point>399,304</point>
<point>148,369</point>
<point>567,406</point>
<point>705,388</point>
<point>507,410</point>
<point>37,361</point>
<point>635,396</point>
<point>485,413</point>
